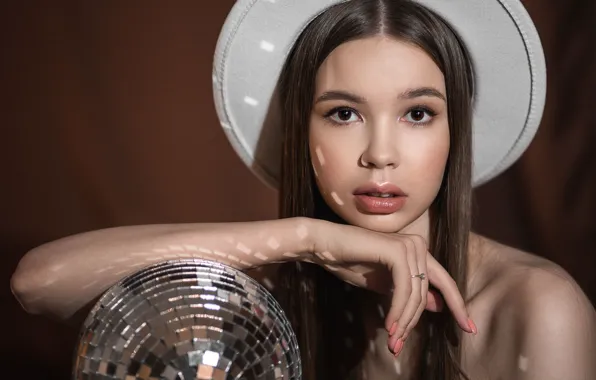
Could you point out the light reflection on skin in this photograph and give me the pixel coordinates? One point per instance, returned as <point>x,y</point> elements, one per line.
<point>242,248</point>
<point>320,156</point>
<point>397,366</point>
<point>336,198</point>
<point>302,232</point>
<point>273,243</point>
<point>523,363</point>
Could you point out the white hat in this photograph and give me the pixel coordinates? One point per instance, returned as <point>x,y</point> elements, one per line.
<point>499,34</point>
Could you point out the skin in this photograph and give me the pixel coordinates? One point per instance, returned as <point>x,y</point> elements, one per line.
<point>385,137</point>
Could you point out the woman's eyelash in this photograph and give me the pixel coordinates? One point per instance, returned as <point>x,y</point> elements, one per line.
<point>418,108</point>
<point>337,109</point>
<point>330,113</point>
<point>425,110</point>
<point>422,108</point>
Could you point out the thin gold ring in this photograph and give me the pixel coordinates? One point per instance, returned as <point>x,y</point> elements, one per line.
<point>421,276</point>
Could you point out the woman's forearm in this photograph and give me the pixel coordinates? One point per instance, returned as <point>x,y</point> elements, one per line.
<point>61,277</point>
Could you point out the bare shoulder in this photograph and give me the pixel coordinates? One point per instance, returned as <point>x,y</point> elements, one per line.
<point>540,324</point>
<point>530,282</point>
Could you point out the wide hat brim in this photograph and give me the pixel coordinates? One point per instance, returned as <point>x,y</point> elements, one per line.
<point>499,34</point>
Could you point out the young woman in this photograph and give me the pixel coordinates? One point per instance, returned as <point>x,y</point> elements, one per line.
<point>375,187</point>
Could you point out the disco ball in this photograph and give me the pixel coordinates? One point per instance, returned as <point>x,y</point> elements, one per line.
<point>187,319</point>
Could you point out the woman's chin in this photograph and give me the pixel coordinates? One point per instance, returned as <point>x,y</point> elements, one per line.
<point>386,223</point>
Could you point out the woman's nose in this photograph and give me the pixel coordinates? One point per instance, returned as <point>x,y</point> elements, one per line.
<point>381,150</point>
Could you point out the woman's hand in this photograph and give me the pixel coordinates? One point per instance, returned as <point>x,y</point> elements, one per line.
<point>387,263</point>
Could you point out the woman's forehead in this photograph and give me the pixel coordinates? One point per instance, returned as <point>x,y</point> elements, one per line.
<point>378,65</point>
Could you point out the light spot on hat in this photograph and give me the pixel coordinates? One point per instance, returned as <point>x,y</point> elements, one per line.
<point>267,46</point>
<point>320,156</point>
<point>523,363</point>
<point>251,101</point>
<point>336,198</point>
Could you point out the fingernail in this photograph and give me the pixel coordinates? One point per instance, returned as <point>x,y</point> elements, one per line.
<point>398,347</point>
<point>472,326</point>
<point>393,328</point>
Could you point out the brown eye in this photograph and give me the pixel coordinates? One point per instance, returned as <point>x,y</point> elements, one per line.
<point>343,115</point>
<point>417,115</point>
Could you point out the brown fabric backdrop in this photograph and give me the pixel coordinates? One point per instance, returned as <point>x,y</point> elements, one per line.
<point>108,119</point>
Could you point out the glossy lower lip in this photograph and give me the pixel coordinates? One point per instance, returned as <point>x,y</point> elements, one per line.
<point>377,205</point>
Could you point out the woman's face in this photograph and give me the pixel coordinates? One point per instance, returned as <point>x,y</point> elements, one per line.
<point>379,133</point>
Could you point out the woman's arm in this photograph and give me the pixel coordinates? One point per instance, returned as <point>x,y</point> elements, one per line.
<point>62,277</point>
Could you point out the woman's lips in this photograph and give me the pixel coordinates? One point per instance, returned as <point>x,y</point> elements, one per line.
<point>379,205</point>
<point>384,198</point>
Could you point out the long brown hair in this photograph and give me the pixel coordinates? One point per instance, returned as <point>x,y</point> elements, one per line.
<point>311,296</point>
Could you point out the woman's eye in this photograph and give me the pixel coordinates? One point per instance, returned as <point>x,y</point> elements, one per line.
<point>343,116</point>
<point>419,116</point>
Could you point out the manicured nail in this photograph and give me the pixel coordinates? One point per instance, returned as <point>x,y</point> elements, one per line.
<point>398,347</point>
<point>472,326</point>
<point>393,328</point>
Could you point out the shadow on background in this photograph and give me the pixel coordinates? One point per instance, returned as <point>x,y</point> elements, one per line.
<point>108,119</point>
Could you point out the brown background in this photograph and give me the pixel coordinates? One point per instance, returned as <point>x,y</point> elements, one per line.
<point>108,119</point>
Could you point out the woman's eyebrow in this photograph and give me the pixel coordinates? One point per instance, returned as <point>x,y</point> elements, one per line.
<point>340,95</point>
<point>422,91</point>
<point>353,98</point>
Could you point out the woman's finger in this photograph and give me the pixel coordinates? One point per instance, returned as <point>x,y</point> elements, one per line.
<point>415,296</point>
<point>397,263</point>
<point>434,301</point>
<point>422,267</point>
<point>440,278</point>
